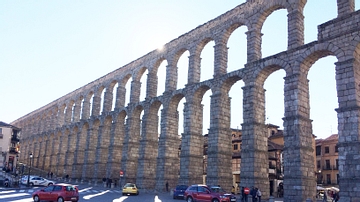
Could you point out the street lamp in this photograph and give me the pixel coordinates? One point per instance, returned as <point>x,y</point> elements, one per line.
<point>28,181</point>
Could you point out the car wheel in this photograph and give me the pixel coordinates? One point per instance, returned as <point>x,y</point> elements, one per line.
<point>36,198</point>
<point>50,184</point>
<point>31,184</point>
<point>215,200</point>
<point>60,199</point>
<point>189,199</point>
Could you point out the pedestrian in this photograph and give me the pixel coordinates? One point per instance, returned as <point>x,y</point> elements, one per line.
<point>167,186</point>
<point>242,194</point>
<point>115,183</point>
<point>246,194</point>
<point>325,196</point>
<point>51,175</point>
<point>253,194</point>
<point>258,194</point>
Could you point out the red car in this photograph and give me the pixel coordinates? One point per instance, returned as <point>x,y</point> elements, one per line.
<point>204,193</point>
<point>59,193</point>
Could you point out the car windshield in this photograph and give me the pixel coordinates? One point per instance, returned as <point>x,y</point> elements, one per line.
<point>181,187</point>
<point>217,189</point>
<point>129,185</point>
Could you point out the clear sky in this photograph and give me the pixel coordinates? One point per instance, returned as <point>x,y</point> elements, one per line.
<point>50,48</point>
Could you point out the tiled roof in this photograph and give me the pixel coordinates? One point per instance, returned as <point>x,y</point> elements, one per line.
<point>3,124</point>
<point>273,146</point>
<point>332,137</point>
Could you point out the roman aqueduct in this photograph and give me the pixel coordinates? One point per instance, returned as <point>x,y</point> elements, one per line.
<point>72,135</point>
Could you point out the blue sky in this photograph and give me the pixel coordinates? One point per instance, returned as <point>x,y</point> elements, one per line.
<point>50,48</point>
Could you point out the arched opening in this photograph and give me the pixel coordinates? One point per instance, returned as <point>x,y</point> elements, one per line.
<point>183,70</point>
<point>161,76</point>
<point>237,52</point>
<point>207,62</point>
<point>143,81</point>
<point>114,91</point>
<point>102,101</point>
<point>128,91</point>
<point>275,33</point>
<point>274,98</point>
<point>323,97</point>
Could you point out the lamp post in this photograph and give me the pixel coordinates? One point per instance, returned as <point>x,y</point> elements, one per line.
<point>28,181</point>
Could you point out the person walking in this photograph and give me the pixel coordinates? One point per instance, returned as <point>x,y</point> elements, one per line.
<point>253,194</point>
<point>258,194</point>
<point>167,186</point>
<point>325,196</point>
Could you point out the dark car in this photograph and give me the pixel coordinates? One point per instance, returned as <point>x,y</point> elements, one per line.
<point>59,193</point>
<point>179,191</point>
<point>204,193</point>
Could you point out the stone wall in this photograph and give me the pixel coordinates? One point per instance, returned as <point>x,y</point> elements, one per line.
<point>90,144</point>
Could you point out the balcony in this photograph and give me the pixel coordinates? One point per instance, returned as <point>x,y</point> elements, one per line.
<point>330,167</point>
<point>15,139</point>
<point>13,150</point>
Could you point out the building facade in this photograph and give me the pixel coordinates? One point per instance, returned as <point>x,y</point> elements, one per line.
<point>327,161</point>
<point>91,136</point>
<point>9,146</point>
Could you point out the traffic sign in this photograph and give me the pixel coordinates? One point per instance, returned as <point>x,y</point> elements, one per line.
<point>121,173</point>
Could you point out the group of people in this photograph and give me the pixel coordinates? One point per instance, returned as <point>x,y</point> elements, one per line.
<point>253,193</point>
<point>333,195</point>
<point>50,175</point>
<point>107,182</point>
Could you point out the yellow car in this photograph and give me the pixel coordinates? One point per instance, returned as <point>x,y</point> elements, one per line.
<point>130,188</point>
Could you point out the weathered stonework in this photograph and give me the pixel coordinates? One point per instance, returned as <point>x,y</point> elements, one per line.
<point>76,138</point>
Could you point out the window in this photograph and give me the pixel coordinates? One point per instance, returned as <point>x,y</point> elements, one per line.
<point>336,148</point>
<point>0,130</point>
<point>327,162</point>
<point>327,150</point>
<point>328,178</point>
<point>318,150</point>
<point>337,164</point>
<point>235,147</point>
<point>318,164</point>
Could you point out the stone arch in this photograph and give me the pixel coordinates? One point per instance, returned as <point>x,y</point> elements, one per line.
<point>266,10</point>
<point>137,77</point>
<point>87,105</point>
<point>154,78</point>
<point>79,154</point>
<point>92,141</point>
<point>123,93</point>
<point>102,149</point>
<point>229,82</point>
<point>148,147</point>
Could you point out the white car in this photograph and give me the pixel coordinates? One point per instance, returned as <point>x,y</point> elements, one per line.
<point>37,181</point>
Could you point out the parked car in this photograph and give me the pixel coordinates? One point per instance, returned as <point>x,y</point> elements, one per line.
<point>204,193</point>
<point>58,193</point>
<point>37,181</point>
<point>130,188</point>
<point>24,178</point>
<point>179,191</point>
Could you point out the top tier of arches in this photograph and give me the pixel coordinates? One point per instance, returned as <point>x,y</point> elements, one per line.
<point>109,92</point>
